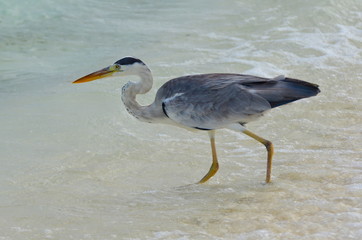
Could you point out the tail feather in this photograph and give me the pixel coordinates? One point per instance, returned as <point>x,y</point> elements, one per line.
<point>280,91</point>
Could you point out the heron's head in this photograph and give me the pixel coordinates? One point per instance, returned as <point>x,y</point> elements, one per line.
<point>123,67</point>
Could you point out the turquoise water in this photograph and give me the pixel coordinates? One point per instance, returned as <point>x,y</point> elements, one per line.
<point>75,165</point>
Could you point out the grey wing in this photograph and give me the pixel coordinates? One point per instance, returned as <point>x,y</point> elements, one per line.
<point>209,106</point>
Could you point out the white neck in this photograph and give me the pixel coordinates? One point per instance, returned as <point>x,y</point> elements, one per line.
<point>131,89</point>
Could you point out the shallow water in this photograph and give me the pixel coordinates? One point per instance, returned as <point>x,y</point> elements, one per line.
<point>75,165</point>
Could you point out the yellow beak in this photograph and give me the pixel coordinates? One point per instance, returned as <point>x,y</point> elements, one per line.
<point>105,72</point>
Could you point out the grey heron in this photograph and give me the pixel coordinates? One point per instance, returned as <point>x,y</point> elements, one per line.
<point>206,102</point>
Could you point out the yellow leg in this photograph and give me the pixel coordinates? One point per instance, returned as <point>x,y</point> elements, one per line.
<point>215,165</point>
<point>269,147</point>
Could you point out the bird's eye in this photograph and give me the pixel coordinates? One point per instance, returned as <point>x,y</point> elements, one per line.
<point>117,67</point>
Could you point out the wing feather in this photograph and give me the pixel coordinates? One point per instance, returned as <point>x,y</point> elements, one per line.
<point>207,102</point>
